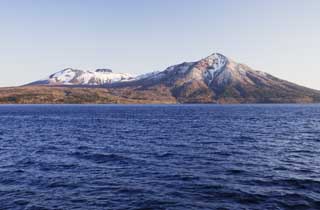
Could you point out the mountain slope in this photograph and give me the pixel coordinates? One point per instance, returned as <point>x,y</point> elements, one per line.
<point>71,95</point>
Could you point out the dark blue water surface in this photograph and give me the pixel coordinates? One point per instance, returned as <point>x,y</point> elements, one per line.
<point>160,157</point>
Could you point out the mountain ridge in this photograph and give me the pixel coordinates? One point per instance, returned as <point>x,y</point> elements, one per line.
<point>213,79</point>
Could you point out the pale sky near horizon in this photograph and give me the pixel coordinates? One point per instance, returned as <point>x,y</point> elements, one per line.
<point>40,37</point>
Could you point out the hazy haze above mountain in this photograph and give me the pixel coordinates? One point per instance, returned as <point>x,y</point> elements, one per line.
<point>279,37</point>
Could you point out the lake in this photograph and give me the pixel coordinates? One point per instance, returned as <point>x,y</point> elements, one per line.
<point>173,157</point>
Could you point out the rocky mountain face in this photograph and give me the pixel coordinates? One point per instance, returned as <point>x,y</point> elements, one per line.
<point>214,79</point>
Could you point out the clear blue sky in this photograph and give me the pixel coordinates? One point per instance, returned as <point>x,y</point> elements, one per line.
<point>39,37</point>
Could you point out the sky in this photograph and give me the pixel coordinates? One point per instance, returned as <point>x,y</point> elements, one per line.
<point>41,37</point>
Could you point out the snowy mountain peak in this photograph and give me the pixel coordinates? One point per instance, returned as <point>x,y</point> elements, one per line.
<point>214,70</point>
<point>217,56</point>
<point>214,63</point>
<point>70,76</point>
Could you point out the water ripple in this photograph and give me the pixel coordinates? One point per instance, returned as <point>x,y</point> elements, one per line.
<point>159,157</point>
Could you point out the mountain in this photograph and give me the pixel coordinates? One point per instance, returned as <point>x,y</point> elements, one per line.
<point>71,76</point>
<point>214,79</point>
<point>218,79</point>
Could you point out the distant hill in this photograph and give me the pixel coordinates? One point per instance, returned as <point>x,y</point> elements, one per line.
<point>214,79</point>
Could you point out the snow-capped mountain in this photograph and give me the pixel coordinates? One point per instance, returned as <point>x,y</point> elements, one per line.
<point>215,69</point>
<point>71,76</point>
<point>219,79</point>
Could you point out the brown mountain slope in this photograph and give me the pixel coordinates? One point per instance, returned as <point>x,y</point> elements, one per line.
<point>70,95</point>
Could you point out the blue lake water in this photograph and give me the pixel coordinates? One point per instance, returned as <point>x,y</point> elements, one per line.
<point>160,157</point>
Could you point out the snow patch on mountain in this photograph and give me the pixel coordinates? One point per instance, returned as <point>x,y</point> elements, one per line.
<point>71,76</point>
<point>65,76</point>
<point>216,62</point>
<point>148,75</point>
<point>181,69</point>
